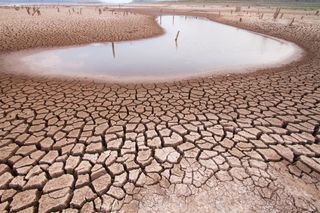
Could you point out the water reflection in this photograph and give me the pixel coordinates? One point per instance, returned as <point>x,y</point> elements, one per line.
<point>113,50</point>
<point>202,46</point>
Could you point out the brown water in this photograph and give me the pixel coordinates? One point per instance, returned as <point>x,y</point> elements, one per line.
<point>203,47</point>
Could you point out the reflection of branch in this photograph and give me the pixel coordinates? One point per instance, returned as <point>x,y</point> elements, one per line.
<point>113,51</point>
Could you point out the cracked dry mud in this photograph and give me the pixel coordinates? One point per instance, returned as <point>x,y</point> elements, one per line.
<point>239,143</point>
<point>18,30</point>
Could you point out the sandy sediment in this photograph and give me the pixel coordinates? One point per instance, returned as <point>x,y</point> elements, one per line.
<point>68,27</point>
<point>244,143</point>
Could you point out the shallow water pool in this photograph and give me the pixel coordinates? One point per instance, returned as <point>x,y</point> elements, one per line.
<point>203,47</point>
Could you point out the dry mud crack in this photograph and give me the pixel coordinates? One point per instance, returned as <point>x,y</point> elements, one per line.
<point>242,143</point>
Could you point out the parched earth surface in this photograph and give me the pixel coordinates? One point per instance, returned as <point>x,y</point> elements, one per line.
<point>61,26</point>
<point>239,143</point>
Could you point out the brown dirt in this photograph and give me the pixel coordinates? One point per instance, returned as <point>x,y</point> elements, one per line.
<point>239,143</point>
<point>52,28</point>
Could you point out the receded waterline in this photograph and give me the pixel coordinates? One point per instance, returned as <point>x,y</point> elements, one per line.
<point>202,47</point>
